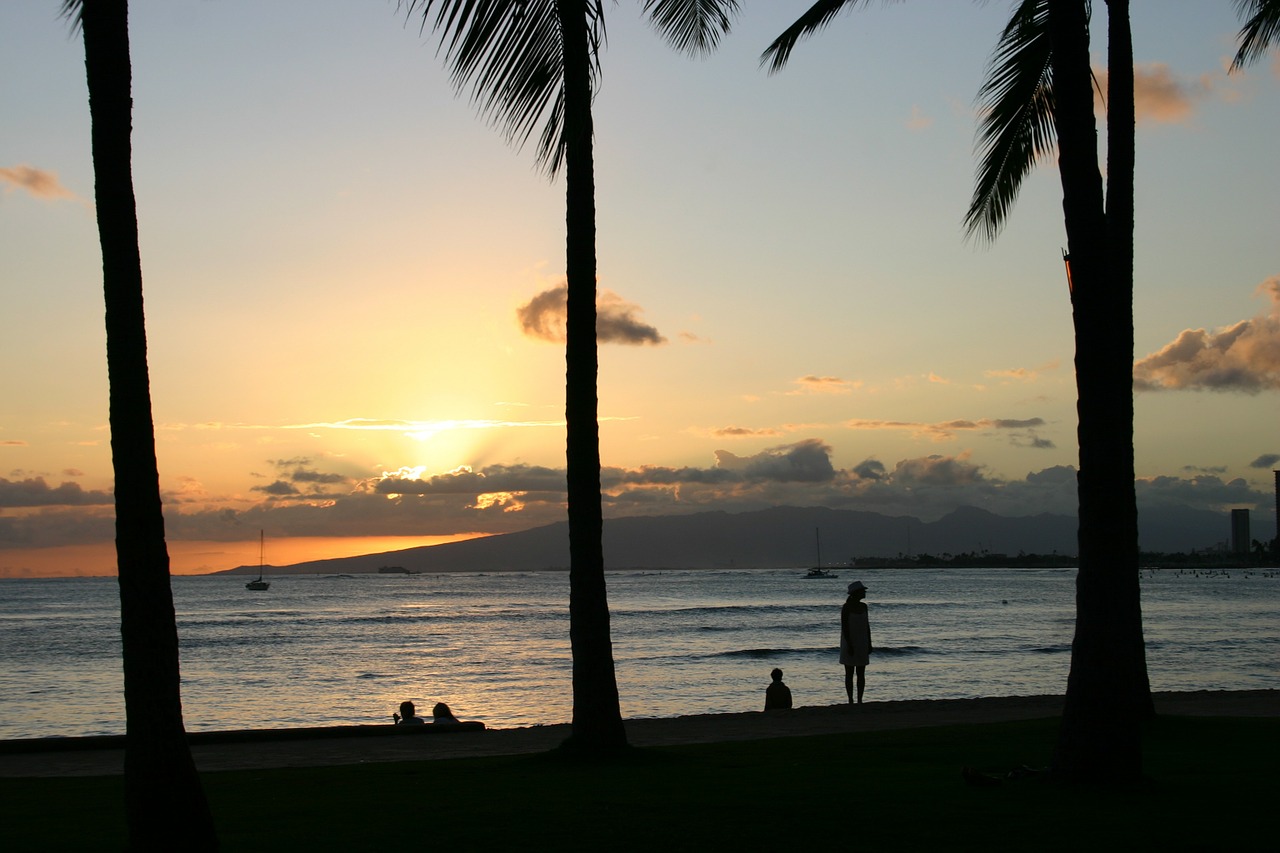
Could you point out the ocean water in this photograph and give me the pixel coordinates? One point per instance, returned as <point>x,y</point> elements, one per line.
<point>326,650</point>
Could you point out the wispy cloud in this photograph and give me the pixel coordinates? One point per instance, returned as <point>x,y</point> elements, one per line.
<point>1022,374</point>
<point>617,321</point>
<point>1242,357</point>
<point>1160,96</point>
<point>745,432</point>
<point>946,430</point>
<point>824,385</point>
<point>919,120</point>
<point>37,183</point>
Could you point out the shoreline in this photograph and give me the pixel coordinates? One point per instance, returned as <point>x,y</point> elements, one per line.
<point>282,748</point>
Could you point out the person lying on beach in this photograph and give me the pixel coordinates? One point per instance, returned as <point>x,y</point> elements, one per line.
<point>408,715</point>
<point>441,714</point>
<point>777,696</point>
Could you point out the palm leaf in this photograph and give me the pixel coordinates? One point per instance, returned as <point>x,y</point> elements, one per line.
<point>507,54</point>
<point>1016,130</point>
<point>692,26</point>
<point>1260,31</point>
<point>819,15</point>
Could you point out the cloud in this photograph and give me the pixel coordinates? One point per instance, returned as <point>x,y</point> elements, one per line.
<point>1022,374</point>
<point>870,469</point>
<point>37,183</point>
<point>1242,357</point>
<point>824,385</point>
<point>13,442</point>
<point>745,432</point>
<point>946,430</point>
<point>35,492</point>
<point>297,477</point>
<point>937,471</point>
<point>1160,97</point>
<point>919,120</point>
<point>1266,460</point>
<point>617,321</point>
<point>297,499</point>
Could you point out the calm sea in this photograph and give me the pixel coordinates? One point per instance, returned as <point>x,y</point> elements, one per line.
<point>322,650</point>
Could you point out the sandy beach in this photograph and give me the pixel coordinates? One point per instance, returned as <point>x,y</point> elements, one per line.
<point>368,744</point>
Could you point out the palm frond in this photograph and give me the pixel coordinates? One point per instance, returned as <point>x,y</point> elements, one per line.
<point>692,26</point>
<point>811,22</point>
<point>507,54</point>
<point>73,11</point>
<point>1261,30</point>
<point>1016,129</point>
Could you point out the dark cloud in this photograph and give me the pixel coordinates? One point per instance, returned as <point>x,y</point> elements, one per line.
<point>1204,469</point>
<point>1243,357</point>
<point>465,481</point>
<point>1055,474</point>
<point>1266,460</point>
<point>1201,492</point>
<point>936,471</point>
<point>870,469</point>
<point>278,489</point>
<point>507,498</point>
<point>617,321</point>
<point>35,492</point>
<point>805,462</point>
<point>300,469</point>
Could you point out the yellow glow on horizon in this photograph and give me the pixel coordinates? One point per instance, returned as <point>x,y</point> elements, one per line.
<point>204,557</point>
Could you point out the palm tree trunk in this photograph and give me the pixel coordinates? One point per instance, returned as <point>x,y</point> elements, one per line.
<point>597,717</point>
<point>1100,734</point>
<point>164,801</point>
<point>1120,217</point>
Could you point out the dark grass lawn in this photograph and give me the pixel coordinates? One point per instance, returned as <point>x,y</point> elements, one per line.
<point>1210,784</point>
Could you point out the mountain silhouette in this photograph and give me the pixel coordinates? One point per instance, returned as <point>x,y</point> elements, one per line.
<point>778,537</point>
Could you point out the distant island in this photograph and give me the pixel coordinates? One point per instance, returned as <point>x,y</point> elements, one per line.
<point>783,537</point>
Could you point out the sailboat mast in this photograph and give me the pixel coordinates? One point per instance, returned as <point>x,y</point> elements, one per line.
<point>817,535</point>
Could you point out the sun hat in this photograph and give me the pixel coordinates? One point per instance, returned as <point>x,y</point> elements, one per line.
<point>856,586</point>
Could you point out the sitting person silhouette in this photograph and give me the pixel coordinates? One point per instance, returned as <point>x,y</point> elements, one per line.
<point>408,715</point>
<point>441,714</point>
<point>777,696</point>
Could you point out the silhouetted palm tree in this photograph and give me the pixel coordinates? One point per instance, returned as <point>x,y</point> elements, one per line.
<point>1038,93</point>
<point>531,63</point>
<point>1261,30</point>
<point>164,801</point>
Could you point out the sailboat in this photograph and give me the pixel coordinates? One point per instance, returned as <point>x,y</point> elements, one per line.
<point>259,584</point>
<point>817,571</point>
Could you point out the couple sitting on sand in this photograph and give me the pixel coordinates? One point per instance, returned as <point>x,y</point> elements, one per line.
<point>408,715</point>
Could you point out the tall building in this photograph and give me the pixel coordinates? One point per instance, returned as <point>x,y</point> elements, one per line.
<point>1240,540</point>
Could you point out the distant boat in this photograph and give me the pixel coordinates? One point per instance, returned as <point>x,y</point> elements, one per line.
<point>259,584</point>
<point>817,571</point>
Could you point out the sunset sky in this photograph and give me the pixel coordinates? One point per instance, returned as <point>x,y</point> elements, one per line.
<point>351,281</point>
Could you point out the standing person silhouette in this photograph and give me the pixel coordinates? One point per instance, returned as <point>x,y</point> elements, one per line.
<point>855,639</point>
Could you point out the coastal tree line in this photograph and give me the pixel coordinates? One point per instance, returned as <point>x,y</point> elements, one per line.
<point>533,65</point>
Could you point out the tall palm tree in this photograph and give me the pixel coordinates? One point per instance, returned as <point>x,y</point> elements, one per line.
<point>164,802</point>
<point>1261,30</point>
<point>531,63</point>
<point>1038,94</point>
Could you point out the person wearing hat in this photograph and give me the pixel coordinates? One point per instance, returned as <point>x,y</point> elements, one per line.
<point>855,639</point>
